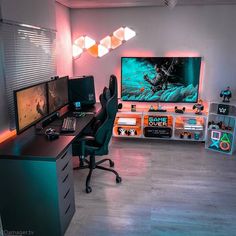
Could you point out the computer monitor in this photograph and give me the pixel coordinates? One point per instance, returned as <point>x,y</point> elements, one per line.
<point>57,94</point>
<point>81,89</point>
<point>30,106</point>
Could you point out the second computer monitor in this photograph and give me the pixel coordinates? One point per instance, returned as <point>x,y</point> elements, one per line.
<point>81,89</point>
<point>57,94</point>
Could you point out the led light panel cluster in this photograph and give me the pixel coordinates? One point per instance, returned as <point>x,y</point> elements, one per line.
<point>85,43</point>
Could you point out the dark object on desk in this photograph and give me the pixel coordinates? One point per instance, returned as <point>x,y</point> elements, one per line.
<point>180,111</point>
<point>81,89</point>
<point>42,124</point>
<point>226,94</point>
<point>97,145</point>
<point>69,124</point>
<point>51,134</point>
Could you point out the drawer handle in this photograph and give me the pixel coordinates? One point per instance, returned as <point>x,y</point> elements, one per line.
<point>65,166</point>
<point>64,180</point>
<point>68,208</point>
<point>67,193</point>
<point>63,155</point>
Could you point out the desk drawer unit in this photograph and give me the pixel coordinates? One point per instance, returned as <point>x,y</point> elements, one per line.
<point>37,196</point>
<point>65,189</point>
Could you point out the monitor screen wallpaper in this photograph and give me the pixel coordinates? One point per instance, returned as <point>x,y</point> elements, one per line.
<point>160,79</point>
<point>31,105</point>
<point>57,94</point>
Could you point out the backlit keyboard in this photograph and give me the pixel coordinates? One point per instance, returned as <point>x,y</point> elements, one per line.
<point>69,124</point>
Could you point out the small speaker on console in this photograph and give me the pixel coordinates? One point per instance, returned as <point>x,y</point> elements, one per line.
<point>120,105</point>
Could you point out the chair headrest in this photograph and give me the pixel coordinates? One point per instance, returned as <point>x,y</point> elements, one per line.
<point>106,93</point>
<point>113,84</point>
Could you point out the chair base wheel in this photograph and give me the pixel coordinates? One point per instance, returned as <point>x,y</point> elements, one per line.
<point>112,164</point>
<point>118,179</point>
<point>88,189</point>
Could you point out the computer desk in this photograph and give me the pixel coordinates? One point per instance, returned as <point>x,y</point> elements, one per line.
<point>36,182</point>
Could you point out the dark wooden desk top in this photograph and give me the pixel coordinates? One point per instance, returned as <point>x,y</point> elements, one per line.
<point>34,147</point>
<point>81,123</point>
<point>31,146</point>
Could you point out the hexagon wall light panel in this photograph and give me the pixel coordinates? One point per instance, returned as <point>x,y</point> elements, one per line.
<point>110,42</point>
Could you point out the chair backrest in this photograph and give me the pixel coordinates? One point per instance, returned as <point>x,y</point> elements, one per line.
<point>104,97</point>
<point>104,132</point>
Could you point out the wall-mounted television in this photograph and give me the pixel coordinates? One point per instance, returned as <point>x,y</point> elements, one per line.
<point>160,79</point>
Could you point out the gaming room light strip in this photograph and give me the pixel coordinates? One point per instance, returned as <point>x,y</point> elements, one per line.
<point>85,43</point>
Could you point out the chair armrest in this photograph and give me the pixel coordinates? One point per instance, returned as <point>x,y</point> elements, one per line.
<point>86,138</point>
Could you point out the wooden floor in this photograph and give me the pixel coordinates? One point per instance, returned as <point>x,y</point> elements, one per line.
<point>169,188</point>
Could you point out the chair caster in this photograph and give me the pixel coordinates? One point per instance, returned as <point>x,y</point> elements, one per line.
<point>112,164</point>
<point>88,189</point>
<point>118,179</point>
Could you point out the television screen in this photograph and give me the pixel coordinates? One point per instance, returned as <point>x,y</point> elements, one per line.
<point>160,79</point>
<point>57,94</point>
<point>31,106</point>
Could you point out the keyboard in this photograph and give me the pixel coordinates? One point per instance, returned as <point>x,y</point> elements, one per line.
<point>79,114</point>
<point>69,124</point>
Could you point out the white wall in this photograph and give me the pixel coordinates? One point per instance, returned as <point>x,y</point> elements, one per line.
<point>63,43</point>
<point>33,12</point>
<point>207,31</point>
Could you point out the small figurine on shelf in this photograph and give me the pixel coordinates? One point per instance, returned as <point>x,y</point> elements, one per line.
<point>178,110</point>
<point>121,131</point>
<point>133,108</point>
<point>132,132</point>
<point>198,107</point>
<point>151,108</point>
<point>226,94</point>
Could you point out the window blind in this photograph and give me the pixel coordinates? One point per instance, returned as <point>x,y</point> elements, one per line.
<point>28,57</point>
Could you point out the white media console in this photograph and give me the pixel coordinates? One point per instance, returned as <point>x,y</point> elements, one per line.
<point>160,125</point>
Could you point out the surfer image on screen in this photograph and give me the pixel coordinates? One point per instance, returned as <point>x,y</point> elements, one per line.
<point>160,81</point>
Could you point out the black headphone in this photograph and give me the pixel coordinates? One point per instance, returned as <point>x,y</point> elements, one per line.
<point>51,134</point>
